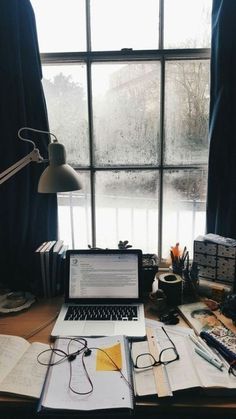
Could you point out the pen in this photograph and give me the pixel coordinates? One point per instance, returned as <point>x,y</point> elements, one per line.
<point>208,358</point>
<point>203,348</point>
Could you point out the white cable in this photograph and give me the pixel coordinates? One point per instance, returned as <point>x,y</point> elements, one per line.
<point>35,130</point>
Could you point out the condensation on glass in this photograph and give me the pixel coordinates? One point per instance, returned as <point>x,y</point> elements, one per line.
<point>74,215</point>
<point>121,24</point>
<point>66,98</point>
<point>127,208</point>
<point>126,108</point>
<point>187,23</point>
<point>61,25</point>
<point>184,207</point>
<point>186,112</point>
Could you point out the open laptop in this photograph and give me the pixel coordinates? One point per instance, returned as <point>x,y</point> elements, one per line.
<point>102,294</point>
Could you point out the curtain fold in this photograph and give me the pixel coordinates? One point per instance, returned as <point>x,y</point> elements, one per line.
<point>27,218</point>
<point>221,195</point>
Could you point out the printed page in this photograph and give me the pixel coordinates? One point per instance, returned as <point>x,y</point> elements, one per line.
<point>143,379</point>
<point>11,350</point>
<point>28,375</point>
<point>182,372</point>
<point>191,370</point>
<point>107,390</point>
<point>210,376</point>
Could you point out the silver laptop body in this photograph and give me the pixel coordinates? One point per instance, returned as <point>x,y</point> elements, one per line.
<point>101,280</point>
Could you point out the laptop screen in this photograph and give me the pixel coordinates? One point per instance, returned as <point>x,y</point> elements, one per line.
<point>103,274</point>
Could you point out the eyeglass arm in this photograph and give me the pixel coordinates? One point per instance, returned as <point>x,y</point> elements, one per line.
<point>34,155</point>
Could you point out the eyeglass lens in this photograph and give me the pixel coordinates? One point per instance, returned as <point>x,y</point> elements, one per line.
<point>167,355</point>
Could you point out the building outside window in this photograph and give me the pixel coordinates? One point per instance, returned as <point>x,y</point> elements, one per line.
<point>127,90</point>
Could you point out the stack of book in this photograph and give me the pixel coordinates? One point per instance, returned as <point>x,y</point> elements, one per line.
<point>49,265</point>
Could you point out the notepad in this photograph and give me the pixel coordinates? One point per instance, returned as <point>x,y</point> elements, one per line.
<point>110,389</point>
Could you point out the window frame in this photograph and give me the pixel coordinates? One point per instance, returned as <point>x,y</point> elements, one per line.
<point>128,55</point>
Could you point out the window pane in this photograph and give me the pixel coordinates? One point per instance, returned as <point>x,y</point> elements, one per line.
<point>186,112</point>
<point>184,205</point>
<point>60,25</point>
<point>127,209</point>
<point>66,97</point>
<point>74,215</point>
<point>121,24</point>
<point>126,100</point>
<point>187,23</point>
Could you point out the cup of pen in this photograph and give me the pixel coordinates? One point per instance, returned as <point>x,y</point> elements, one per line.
<point>189,274</point>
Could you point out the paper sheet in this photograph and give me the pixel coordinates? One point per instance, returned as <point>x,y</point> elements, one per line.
<point>110,389</point>
<point>190,370</point>
<point>109,358</point>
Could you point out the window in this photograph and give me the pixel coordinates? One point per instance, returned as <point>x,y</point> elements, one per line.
<point>127,89</point>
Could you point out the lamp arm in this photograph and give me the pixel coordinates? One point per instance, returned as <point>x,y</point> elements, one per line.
<point>34,155</point>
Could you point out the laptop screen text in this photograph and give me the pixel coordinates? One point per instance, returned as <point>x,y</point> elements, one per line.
<point>103,276</point>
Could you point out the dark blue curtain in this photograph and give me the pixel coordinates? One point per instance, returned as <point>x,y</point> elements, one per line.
<point>221,199</point>
<point>27,218</point>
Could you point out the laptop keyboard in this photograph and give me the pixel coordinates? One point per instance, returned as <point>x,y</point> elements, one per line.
<point>99,312</point>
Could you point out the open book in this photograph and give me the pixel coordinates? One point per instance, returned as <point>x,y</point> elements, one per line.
<point>190,371</point>
<point>21,374</point>
<point>91,382</point>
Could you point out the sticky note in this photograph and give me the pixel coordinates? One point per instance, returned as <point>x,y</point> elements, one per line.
<point>104,363</point>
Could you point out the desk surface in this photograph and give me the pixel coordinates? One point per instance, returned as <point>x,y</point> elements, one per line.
<point>36,323</point>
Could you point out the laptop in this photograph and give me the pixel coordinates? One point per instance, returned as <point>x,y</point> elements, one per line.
<point>102,294</point>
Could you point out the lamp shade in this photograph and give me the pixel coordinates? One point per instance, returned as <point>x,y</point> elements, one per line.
<point>58,176</point>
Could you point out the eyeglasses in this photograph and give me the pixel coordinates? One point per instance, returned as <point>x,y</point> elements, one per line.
<point>166,356</point>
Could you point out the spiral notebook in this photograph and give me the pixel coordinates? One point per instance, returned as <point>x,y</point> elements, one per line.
<point>222,339</point>
<point>90,383</point>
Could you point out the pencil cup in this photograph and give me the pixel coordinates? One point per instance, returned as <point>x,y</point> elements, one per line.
<point>171,284</point>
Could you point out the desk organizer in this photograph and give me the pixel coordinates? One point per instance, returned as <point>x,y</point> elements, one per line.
<point>216,262</point>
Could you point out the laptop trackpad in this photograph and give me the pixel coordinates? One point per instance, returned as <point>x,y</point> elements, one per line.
<point>99,328</point>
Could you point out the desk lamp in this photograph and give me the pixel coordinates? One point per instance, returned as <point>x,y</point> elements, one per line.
<point>57,177</point>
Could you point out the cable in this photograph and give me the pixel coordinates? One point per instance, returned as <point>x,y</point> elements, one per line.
<point>85,351</point>
<point>34,130</point>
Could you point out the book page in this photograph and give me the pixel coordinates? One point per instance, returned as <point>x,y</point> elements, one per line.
<point>210,376</point>
<point>27,377</point>
<point>143,379</point>
<point>190,370</point>
<point>109,389</point>
<point>11,350</point>
<point>181,373</point>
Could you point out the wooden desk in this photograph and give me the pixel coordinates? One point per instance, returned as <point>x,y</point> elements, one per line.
<point>26,323</point>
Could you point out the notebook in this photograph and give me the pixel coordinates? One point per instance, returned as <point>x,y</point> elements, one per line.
<point>102,294</point>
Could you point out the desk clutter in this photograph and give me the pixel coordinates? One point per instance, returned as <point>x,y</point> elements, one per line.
<point>75,374</point>
<point>178,366</point>
<point>110,373</point>
<point>49,268</point>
